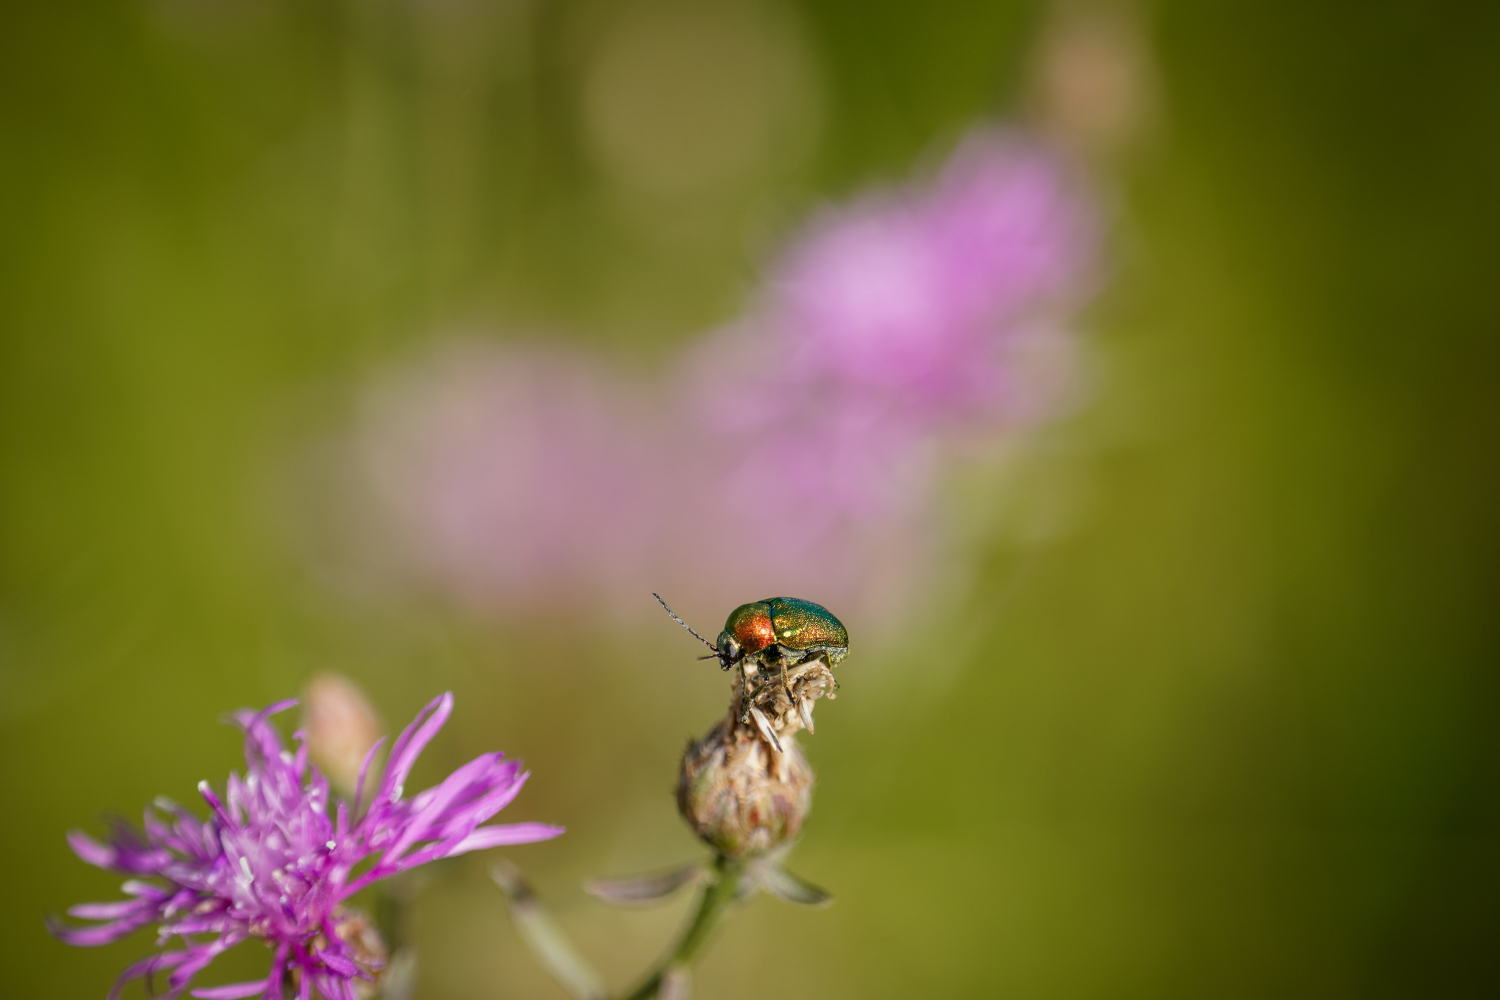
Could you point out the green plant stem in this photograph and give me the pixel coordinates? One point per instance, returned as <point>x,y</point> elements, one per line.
<point>718,894</point>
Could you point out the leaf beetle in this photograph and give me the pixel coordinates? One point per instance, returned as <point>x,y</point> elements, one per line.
<point>774,634</point>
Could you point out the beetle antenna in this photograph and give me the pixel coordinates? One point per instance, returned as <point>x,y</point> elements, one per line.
<point>687,626</point>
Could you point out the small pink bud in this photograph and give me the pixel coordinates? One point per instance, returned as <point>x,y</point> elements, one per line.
<point>340,726</point>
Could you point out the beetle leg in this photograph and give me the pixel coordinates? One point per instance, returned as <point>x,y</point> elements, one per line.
<point>744,695</point>
<point>786,685</point>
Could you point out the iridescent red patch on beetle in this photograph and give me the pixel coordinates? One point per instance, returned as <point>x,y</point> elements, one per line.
<point>750,624</point>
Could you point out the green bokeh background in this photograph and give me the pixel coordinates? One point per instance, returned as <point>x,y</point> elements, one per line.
<point>1233,733</point>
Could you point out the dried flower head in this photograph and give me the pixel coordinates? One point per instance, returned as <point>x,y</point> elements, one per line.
<point>739,794</point>
<point>782,705</point>
<point>270,863</point>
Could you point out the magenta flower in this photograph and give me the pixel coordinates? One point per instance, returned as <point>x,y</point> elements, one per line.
<point>916,297</point>
<point>270,863</point>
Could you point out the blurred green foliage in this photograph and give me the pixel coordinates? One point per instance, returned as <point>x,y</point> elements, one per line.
<point>1232,734</point>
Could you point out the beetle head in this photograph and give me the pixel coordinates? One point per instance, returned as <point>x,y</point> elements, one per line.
<point>729,650</point>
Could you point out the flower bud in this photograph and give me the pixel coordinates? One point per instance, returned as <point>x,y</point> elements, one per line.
<point>739,795</point>
<point>340,726</point>
<point>363,945</point>
<point>366,948</point>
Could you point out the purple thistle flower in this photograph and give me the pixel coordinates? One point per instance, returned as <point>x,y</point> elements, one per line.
<point>270,863</point>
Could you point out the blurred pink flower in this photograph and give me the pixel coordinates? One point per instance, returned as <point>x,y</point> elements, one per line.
<point>915,295</point>
<point>795,451</point>
<point>513,475</point>
<point>892,329</point>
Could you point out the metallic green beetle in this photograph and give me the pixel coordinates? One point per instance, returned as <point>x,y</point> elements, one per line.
<point>776,632</point>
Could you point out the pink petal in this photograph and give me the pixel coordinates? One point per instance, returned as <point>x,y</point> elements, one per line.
<point>338,963</point>
<point>92,937</point>
<point>234,991</point>
<point>411,743</point>
<point>104,911</point>
<point>90,850</point>
<point>145,967</point>
<point>510,833</point>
